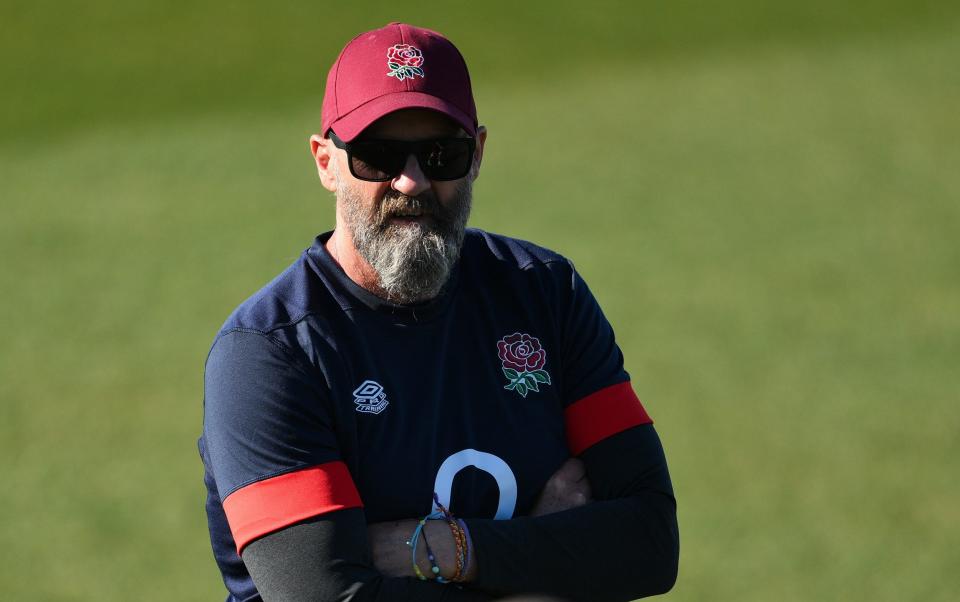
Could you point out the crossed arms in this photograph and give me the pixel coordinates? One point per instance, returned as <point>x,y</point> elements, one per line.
<point>604,529</point>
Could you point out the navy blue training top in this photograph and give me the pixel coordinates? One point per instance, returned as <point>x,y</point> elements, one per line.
<point>321,396</point>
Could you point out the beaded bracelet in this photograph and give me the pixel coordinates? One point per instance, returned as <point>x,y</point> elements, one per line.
<point>414,539</point>
<point>434,568</point>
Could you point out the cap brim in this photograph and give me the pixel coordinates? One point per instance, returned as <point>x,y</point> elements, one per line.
<point>350,125</point>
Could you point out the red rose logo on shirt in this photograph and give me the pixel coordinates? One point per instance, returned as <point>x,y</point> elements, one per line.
<point>523,360</point>
<point>404,61</point>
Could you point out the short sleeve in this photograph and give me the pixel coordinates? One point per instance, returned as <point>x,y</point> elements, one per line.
<point>599,399</point>
<point>269,438</point>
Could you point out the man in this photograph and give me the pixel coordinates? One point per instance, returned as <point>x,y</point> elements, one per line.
<point>405,366</point>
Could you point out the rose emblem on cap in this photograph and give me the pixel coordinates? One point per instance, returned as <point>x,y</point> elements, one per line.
<point>404,61</point>
<point>523,359</point>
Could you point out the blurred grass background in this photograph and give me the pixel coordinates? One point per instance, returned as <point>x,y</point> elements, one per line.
<point>765,198</point>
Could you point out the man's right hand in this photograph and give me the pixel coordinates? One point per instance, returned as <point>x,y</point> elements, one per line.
<point>567,488</point>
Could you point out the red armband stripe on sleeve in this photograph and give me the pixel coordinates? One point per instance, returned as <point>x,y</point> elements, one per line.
<point>599,415</point>
<point>272,504</point>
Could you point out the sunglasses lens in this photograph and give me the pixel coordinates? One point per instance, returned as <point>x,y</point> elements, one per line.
<point>446,159</point>
<point>375,161</point>
<point>379,161</point>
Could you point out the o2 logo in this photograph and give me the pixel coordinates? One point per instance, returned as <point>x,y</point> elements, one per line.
<point>488,463</point>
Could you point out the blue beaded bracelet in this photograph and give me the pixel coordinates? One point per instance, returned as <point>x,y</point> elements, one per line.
<point>414,540</point>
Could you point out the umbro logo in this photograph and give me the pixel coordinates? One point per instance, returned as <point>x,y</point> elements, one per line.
<point>370,398</point>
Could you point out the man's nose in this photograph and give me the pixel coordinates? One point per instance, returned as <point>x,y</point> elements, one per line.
<point>411,180</point>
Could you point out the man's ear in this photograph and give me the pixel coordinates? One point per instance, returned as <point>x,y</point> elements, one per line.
<point>478,154</point>
<point>322,150</point>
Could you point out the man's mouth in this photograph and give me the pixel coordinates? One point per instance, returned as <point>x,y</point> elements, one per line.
<point>412,211</point>
<point>409,214</point>
<point>408,220</point>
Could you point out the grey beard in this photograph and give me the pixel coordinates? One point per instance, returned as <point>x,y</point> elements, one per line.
<point>412,261</point>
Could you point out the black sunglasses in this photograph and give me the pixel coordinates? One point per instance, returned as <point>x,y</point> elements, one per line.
<point>382,160</point>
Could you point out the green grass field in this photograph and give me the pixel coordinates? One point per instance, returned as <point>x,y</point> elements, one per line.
<point>766,201</point>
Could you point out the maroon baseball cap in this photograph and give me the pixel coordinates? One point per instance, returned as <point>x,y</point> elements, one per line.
<point>396,67</point>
